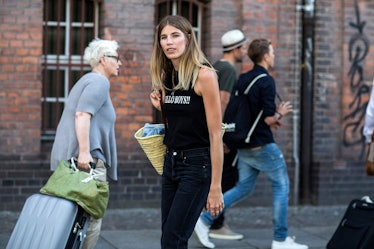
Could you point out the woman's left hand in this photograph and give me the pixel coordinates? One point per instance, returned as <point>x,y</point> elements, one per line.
<point>155,97</point>
<point>215,203</point>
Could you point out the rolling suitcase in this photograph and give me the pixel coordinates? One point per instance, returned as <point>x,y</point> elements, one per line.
<point>356,228</point>
<point>49,222</point>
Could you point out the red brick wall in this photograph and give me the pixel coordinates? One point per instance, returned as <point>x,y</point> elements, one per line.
<point>343,81</point>
<point>20,76</point>
<point>337,172</point>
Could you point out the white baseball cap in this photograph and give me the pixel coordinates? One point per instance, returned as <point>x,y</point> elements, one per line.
<point>232,39</point>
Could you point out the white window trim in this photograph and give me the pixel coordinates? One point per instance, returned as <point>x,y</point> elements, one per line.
<point>66,63</point>
<point>197,30</point>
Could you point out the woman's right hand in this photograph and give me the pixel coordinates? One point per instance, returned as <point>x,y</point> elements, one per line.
<point>84,160</point>
<point>155,97</point>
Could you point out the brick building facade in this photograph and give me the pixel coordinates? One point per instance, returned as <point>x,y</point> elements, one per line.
<point>324,66</point>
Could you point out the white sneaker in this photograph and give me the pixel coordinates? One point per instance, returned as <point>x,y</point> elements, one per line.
<point>201,232</point>
<point>289,243</point>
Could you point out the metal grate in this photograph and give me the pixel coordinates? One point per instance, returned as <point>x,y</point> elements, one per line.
<point>191,10</point>
<point>68,26</point>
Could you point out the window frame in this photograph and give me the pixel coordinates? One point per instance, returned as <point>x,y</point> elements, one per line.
<point>60,64</point>
<point>174,7</point>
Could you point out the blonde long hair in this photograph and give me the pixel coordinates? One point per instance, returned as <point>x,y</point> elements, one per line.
<point>190,62</point>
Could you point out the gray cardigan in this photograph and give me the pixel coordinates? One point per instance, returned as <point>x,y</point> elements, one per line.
<point>90,94</point>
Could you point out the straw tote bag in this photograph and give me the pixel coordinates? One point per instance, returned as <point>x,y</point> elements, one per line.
<point>153,145</point>
<point>154,148</point>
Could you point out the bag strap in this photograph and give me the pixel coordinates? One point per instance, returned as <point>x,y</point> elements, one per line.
<point>253,82</point>
<point>93,174</point>
<point>253,127</point>
<point>259,115</point>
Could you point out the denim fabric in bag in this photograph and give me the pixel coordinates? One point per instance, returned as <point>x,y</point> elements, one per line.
<point>153,129</point>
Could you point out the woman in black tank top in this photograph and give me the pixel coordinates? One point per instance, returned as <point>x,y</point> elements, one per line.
<point>190,102</point>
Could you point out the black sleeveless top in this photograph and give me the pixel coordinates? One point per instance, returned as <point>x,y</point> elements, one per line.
<point>186,120</point>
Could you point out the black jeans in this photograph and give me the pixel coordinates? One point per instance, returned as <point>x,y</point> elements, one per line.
<point>185,187</point>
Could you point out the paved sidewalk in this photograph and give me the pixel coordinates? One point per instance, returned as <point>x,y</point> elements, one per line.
<point>140,228</point>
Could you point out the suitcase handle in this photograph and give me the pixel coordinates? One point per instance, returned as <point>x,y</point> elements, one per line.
<point>363,205</point>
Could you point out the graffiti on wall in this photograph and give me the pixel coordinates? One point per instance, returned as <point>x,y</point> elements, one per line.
<point>353,122</point>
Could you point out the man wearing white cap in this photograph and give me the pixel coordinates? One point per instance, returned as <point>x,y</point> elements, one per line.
<point>234,47</point>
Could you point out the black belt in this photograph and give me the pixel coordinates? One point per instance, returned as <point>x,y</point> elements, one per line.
<point>185,153</point>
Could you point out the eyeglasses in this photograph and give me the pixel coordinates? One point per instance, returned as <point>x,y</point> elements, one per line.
<point>114,57</point>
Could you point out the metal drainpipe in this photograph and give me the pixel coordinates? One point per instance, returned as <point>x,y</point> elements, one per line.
<point>306,98</point>
<point>296,107</point>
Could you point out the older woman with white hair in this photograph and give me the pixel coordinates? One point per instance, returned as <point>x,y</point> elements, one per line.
<point>86,127</point>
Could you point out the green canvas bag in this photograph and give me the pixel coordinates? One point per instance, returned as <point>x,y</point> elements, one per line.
<point>81,187</point>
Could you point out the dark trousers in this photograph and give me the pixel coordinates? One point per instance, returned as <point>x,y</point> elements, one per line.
<point>229,180</point>
<point>185,187</point>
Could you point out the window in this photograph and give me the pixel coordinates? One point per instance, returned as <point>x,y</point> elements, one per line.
<point>192,10</point>
<point>68,26</point>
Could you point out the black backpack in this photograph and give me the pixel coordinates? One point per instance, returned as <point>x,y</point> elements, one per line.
<point>237,118</point>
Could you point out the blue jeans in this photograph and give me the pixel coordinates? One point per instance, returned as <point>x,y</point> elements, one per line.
<point>268,160</point>
<point>185,187</point>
